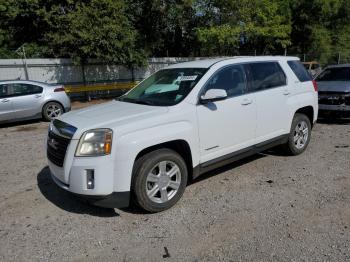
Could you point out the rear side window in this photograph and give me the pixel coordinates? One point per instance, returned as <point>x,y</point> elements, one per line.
<point>25,89</point>
<point>300,71</point>
<point>266,75</point>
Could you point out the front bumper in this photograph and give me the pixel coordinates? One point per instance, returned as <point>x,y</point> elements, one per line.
<point>113,200</point>
<point>339,108</point>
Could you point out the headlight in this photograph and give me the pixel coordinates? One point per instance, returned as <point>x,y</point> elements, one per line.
<point>96,142</point>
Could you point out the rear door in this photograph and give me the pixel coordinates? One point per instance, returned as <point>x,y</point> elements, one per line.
<point>6,106</point>
<point>27,99</point>
<point>268,82</point>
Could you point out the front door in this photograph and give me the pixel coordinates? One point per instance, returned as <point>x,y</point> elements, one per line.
<point>6,108</point>
<point>228,125</point>
<point>27,100</point>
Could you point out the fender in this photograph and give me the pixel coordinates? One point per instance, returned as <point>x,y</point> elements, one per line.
<point>131,144</point>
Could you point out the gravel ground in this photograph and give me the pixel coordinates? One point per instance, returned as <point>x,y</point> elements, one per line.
<point>266,208</point>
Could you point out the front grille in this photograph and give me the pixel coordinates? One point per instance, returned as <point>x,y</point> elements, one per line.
<point>56,148</point>
<point>333,98</point>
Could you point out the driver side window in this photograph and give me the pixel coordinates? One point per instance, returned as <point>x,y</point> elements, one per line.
<point>4,91</point>
<point>232,79</point>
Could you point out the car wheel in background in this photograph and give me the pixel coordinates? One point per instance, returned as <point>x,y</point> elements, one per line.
<point>52,110</point>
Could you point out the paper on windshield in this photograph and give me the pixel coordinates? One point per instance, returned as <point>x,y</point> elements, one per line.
<point>187,78</point>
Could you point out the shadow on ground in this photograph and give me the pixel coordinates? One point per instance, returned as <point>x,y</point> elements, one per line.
<point>227,167</point>
<point>71,203</point>
<point>20,123</point>
<point>334,121</point>
<point>65,200</point>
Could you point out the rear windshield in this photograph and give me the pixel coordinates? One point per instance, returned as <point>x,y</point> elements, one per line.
<point>335,74</point>
<point>300,71</point>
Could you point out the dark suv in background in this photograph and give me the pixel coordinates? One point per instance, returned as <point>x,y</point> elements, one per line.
<point>334,91</point>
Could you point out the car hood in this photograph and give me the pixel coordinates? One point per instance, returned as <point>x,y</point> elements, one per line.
<point>110,115</point>
<point>334,86</point>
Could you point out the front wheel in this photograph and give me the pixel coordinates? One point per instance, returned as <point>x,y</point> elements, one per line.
<point>299,136</point>
<point>159,180</point>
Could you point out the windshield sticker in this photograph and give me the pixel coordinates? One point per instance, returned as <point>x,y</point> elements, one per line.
<point>187,78</point>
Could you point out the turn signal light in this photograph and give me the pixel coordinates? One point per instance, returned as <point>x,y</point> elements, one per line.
<point>108,143</point>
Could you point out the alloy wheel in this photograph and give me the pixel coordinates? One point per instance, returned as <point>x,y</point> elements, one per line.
<point>53,111</point>
<point>301,134</point>
<point>163,181</point>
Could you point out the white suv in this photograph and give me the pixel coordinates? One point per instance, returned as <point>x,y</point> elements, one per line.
<point>180,122</point>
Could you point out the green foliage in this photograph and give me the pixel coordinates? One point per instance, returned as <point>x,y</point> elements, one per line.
<point>126,32</point>
<point>78,29</point>
<point>242,25</point>
<point>321,28</point>
<point>97,29</point>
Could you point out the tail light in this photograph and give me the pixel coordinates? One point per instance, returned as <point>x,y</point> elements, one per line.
<point>315,85</point>
<point>59,89</point>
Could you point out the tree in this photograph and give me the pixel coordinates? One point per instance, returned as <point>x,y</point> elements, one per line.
<point>321,29</point>
<point>239,26</point>
<point>93,29</point>
<point>77,29</point>
<point>166,28</point>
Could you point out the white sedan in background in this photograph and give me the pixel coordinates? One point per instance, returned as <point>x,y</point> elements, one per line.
<point>22,100</point>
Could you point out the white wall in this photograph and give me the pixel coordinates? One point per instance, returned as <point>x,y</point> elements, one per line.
<point>66,72</point>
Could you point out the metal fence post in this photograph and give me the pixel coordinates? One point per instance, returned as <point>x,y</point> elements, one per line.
<point>25,63</point>
<point>87,95</point>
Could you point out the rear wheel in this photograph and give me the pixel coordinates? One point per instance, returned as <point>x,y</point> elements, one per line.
<point>159,180</point>
<point>299,136</point>
<point>52,110</point>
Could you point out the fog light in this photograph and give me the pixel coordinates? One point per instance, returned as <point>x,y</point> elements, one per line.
<point>90,177</point>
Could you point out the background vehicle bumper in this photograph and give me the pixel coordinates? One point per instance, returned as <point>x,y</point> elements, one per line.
<point>340,108</point>
<point>334,110</point>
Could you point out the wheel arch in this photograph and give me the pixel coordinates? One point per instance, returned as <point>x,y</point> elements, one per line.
<point>308,111</point>
<point>180,146</point>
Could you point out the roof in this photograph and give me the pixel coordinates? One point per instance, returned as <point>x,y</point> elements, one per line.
<point>23,82</point>
<point>206,63</point>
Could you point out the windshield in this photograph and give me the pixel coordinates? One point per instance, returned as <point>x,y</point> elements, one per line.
<point>167,87</point>
<point>335,74</point>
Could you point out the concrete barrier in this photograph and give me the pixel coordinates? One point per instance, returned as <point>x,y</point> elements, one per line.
<point>65,71</point>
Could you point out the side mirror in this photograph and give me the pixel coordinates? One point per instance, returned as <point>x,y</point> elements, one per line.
<point>213,95</point>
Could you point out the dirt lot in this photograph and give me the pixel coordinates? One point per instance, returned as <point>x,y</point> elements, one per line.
<point>267,208</point>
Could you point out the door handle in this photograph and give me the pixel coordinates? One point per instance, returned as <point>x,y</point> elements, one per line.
<point>37,96</point>
<point>5,100</point>
<point>246,102</point>
<point>286,92</point>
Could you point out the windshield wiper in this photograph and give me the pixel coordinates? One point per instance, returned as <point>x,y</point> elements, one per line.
<point>136,101</point>
<point>143,102</point>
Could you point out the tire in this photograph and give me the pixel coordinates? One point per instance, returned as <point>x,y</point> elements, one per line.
<point>51,110</point>
<point>299,136</point>
<point>159,180</point>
